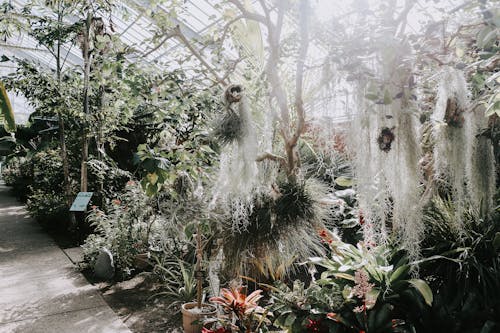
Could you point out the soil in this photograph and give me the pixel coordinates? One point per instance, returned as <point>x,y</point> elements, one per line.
<point>132,300</point>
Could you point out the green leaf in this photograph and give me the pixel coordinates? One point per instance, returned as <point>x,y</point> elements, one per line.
<point>372,297</point>
<point>371,97</point>
<point>424,290</point>
<point>344,276</point>
<point>152,178</point>
<point>399,273</point>
<point>344,181</point>
<point>290,320</point>
<point>7,113</point>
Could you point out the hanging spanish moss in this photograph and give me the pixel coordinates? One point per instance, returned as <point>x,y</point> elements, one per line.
<point>454,135</point>
<point>480,168</point>
<point>229,128</point>
<point>283,221</point>
<point>238,172</point>
<point>383,137</point>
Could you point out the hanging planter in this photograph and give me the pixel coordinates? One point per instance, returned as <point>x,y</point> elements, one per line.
<point>277,223</point>
<point>386,138</point>
<point>233,126</point>
<point>454,115</point>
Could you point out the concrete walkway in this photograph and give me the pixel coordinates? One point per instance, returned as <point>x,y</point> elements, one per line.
<point>40,288</point>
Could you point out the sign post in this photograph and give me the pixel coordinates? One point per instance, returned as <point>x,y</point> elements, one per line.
<point>81,202</point>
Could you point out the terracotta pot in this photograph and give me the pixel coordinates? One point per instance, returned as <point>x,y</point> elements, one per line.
<point>192,317</point>
<point>141,261</point>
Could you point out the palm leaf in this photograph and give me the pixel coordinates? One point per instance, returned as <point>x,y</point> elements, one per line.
<point>7,113</point>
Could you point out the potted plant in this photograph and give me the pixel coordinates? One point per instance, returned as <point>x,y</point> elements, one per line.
<point>194,313</point>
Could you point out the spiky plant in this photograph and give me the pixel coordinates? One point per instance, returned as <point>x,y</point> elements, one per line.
<point>467,292</point>
<point>285,222</point>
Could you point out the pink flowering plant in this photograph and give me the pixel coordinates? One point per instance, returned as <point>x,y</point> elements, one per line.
<point>241,311</point>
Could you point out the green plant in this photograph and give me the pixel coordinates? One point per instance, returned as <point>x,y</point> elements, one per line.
<point>298,308</point>
<point>123,228</point>
<point>468,290</point>
<point>377,286</point>
<point>179,282</point>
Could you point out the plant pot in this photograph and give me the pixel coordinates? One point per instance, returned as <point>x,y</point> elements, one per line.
<point>141,261</point>
<point>192,316</point>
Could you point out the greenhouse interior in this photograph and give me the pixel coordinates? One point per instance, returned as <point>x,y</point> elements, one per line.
<point>252,166</point>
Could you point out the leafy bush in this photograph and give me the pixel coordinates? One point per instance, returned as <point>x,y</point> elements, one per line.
<point>46,201</point>
<point>468,290</point>
<point>18,174</point>
<point>361,288</point>
<point>123,228</point>
<point>47,207</point>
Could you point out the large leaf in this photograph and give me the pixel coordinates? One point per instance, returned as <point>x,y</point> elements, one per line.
<point>424,290</point>
<point>400,272</point>
<point>7,113</point>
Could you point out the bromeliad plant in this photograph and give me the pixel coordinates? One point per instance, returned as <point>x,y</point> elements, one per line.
<point>242,312</point>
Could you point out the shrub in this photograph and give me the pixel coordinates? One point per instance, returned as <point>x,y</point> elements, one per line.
<point>123,227</point>
<point>18,174</point>
<point>46,201</point>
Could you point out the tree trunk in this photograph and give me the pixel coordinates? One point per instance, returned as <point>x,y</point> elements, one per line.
<point>86,82</point>
<point>62,135</point>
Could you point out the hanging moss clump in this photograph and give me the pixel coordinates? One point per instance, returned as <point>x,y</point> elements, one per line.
<point>235,123</point>
<point>282,222</point>
<point>294,203</point>
<point>228,129</point>
<point>454,115</point>
<point>385,139</point>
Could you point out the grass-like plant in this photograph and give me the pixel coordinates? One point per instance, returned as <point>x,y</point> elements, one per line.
<point>180,284</point>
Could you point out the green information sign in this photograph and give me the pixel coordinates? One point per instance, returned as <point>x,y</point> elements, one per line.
<point>81,202</point>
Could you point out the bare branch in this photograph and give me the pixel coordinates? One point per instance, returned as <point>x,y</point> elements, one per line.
<point>166,37</point>
<point>249,15</point>
<point>197,54</point>
<point>272,157</point>
<point>299,78</point>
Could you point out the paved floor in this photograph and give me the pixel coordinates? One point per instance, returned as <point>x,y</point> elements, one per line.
<point>40,289</point>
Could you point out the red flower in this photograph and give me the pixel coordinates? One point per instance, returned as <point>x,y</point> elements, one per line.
<point>332,316</point>
<point>236,300</point>
<point>361,218</point>
<point>314,325</point>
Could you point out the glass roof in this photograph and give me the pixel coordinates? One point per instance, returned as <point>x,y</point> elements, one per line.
<point>196,19</point>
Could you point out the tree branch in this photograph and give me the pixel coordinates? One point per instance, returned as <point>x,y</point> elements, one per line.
<point>197,54</point>
<point>249,15</point>
<point>169,35</point>
<point>299,78</point>
<point>272,157</point>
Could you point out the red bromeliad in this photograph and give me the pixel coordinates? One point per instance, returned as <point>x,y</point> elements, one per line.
<point>236,301</point>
